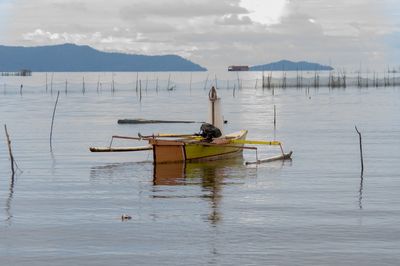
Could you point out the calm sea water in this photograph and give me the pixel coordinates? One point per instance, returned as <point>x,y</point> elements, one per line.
<point>65,208</point>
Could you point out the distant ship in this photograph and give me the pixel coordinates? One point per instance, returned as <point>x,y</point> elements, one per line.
<point>238,68</point>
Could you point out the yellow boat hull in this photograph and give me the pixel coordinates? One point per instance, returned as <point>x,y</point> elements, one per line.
<point>169,151</point>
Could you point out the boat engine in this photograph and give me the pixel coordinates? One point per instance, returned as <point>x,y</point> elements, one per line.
<point>209,132</point>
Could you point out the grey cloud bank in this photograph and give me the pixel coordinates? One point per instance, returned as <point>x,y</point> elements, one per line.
<point>215,33</point>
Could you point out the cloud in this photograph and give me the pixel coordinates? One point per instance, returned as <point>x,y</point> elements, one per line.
<point>176,9</point>
<point>217,33</point>
<point>76,6</point>
<point>338,18</point>
<point>234,20</point>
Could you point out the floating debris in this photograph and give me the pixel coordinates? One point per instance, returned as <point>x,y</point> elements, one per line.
<point>125,217</point>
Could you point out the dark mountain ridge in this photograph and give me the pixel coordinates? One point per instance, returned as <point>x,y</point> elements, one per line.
<point>286,65</point>
<point>83,58</point>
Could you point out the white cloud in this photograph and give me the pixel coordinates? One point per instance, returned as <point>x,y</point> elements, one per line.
<point>266,12</point>
<point>41,36</point>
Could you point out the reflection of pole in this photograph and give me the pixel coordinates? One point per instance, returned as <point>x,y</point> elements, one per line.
<point>213,113</point>
<point>9,199</point>
<point>10,152</point>
<point>212,181</point>
<point>360,191</point>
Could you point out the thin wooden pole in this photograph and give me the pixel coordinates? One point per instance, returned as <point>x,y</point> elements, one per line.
<point>157,85</point>
<point>66,87</point>
<point>20,89</point>
<point>190,84</point>
<point>169,81</point>
<point>361,151</point>
<point>238,80</point>
<point>140,90</point>
<point>46,83</point>
<point>52,121</point>
<point>274,115</point>
<point>51,83</point>
<point>205,84</point>
<point>10,151</point>
<point>137,81</point>
<point>112,83</point>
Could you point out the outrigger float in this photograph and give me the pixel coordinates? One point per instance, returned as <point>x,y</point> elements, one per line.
<point>208,145</point>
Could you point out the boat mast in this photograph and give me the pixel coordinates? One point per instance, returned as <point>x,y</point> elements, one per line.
<point>212,95</point>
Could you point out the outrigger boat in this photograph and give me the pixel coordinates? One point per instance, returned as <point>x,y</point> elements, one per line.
<point>208,145</point>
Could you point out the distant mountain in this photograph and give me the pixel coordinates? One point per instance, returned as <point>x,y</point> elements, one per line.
<point>286,65</point>
<point>75,58</point>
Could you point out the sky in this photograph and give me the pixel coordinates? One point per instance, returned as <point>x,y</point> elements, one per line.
<point>346,34</point>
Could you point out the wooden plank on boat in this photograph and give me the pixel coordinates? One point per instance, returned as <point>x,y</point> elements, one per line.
<point>147,121</point>
<point>120,149</point>
<point>285,156</point>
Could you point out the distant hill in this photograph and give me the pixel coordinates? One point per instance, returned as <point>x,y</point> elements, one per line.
<point>286,65</point>
<point>75,58</point>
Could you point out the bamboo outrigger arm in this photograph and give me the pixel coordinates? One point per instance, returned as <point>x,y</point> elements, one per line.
<point>120,149</point>
<point>255,142</point>
<point>260,142</point>
<point>167,135</point>
<point>284,156</point>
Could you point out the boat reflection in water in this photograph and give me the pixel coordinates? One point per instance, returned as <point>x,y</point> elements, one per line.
<point>211,176</point>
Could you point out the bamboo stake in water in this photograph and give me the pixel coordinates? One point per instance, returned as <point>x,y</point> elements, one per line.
<point>157,85</point>
<point>205,84</point>
<point>190,84</point>
<point>20,89</point>
<point>169,80</point>
<point>112,84</point>
<point>51,83</point>
<point>46,83</point>
<point>361,151</point>
<point>83,85</point>
<point>238,80</point>
<point>137,80</point>
<point>140,90</point>
<point>66,87</point>
<point>52,121</point>
<point>10,151</point>
<point>274,115</point>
